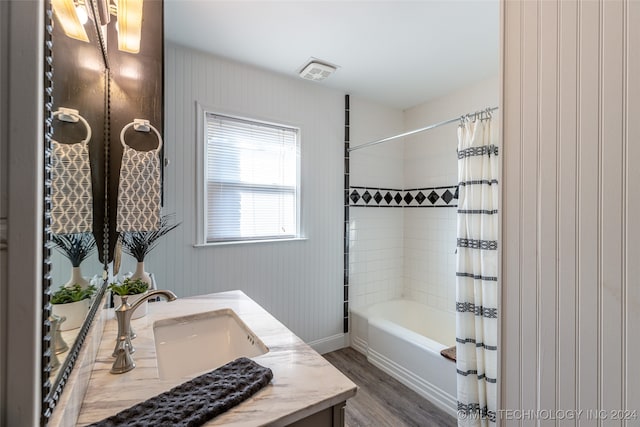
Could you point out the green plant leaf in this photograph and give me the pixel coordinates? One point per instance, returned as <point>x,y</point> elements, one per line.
<point>129,287</point>
<point>74,293</point>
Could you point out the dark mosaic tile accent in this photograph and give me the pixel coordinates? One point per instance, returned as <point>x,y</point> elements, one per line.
<point>417,197</point>
<point>447,196</point>
<point>408,198</point>
<point>377,197</point>
<point>433,197</point>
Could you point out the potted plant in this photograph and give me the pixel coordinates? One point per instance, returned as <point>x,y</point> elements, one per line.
<point>76,248</point>
<point>134,289</point>
<point>139,243</point>
<point>73,303</point>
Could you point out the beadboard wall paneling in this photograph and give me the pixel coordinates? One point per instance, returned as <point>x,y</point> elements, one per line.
<point>299,282</point>
<point>570,263</point>
<point>631,207</point>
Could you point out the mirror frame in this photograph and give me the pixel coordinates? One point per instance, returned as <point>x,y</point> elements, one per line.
<point>51,392</point>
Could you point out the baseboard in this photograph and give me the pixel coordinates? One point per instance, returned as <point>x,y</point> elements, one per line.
<point>359,344</point>
<point>434,394</point>
<point>329,344</point>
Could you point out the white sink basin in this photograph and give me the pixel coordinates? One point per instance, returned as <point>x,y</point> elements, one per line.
<point>202,342</point>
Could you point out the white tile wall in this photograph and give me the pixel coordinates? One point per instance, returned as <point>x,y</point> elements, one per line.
<point>409,252</point>
<point>430,157</point>
<point>380,165</point>
<point>430,160</point>
<point>375,255</point>
<point>429,256</point>
<point>375,247</point>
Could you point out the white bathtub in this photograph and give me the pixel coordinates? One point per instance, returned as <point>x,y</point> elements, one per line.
<point>404,338</point>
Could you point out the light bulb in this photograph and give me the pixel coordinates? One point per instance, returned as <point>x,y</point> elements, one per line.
<point>82,14</point>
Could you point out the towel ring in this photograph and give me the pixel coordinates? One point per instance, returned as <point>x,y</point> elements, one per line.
<point>141,125</point>
<point>70,115</point>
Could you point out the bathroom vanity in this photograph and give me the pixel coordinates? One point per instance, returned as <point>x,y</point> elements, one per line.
<point>306,390</point>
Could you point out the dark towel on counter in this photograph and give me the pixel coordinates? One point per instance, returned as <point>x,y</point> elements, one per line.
<point>197,401</point>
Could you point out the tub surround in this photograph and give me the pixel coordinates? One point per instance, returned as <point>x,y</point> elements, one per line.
<point>404,339</point>
<point>303,382</point>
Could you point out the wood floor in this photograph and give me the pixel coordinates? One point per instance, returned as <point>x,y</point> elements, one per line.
<point>382,401</point>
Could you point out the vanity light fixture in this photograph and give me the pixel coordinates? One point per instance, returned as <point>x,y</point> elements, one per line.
<point>129,13</point>
<point>67,15</point>
<point>73,14</point>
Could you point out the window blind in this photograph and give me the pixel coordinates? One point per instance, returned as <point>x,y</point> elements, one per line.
<point>252,180</point>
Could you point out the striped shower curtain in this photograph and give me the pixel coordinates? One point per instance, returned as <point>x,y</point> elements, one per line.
<point>477,272</point>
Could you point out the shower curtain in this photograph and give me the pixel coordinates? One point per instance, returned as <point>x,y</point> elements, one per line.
<point>477,272</point>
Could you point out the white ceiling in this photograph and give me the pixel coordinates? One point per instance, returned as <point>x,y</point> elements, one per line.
<point>399,53</point>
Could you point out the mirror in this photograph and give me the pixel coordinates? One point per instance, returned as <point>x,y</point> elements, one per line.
<point>93,94</point>
<point>79,81</point>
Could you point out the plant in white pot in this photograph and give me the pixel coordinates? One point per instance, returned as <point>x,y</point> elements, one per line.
<point>72,302</point>
<point>76,248</point>
<point>134,289</point>
<point>138,244</point>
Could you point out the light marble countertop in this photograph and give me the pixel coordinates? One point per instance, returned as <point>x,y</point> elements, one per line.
<point>303,381</point>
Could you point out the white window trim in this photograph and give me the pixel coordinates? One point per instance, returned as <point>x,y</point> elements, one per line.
<point>201,176</point>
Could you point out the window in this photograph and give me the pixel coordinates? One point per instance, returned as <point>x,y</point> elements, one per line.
<point>251,180</point>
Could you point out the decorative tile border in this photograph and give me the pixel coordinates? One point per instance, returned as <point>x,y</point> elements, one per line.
<point>428,197</point>
<point>345,302</point>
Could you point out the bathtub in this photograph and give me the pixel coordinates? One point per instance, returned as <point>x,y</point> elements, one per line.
<point>404,339</point>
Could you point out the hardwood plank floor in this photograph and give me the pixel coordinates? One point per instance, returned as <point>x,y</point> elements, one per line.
<point>382,401</point>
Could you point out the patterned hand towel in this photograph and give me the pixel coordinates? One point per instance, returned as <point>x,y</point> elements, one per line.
<point>139,191</point>
<point>197,401</point>
<point>72,200</point>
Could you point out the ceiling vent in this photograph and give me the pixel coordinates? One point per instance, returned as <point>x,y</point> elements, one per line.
<point>316,70</point>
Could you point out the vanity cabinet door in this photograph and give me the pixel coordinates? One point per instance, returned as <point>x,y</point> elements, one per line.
<point>330,417</point>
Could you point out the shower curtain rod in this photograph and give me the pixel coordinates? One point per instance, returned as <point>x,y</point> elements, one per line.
<point>446,122</point>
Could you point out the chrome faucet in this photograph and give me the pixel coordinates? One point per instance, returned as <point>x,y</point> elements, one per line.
<point>123,350</point>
